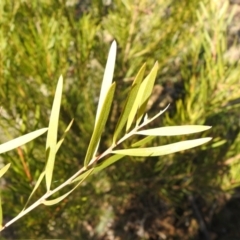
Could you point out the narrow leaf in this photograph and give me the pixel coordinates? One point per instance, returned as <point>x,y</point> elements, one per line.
<point>107,78</point>
<point>63,136</point>
<point>142,97</point>
<point>100,167</point>
<point>17,142</point>
<point>174,130</point>
<point>51,144</point>
<point>35,188</point>
<point>147,87</point>
<point>4,169</point>
<point>143,141</point>
<point>100,124</point>
<point>129,103</point>
<point>163,150</point>
<point>59,199</point>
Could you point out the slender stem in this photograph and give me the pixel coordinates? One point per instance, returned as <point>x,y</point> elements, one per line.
<point>69,180</point>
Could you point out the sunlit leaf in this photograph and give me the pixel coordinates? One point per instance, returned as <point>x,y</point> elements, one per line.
<point>4,169</point>
<point>106,83</point>
<point>51,144</point>
<point>64,135</point>
<point>100,167</point>
<point>17,142</point>
<point>174,130</point>
<point>107,78</point>
<point>129,104</point>
<point>142,97</point>
<point>100,124</point>
<point>35,188</point>
<point>163,150</point>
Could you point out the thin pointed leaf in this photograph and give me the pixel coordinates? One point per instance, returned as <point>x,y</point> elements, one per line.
<point>107,78</point>
<point>143,141</point>
<point>59,199</point>
<point>4,169</point>
<point>163,150</point>
<point>147,91</point>
<point>129,103</point>
<point>17,142</point>
<point>174,130</point>
<point>100,124</point>
<point>51,145</point>
<point>63,136</point>
<point>106,83</point>
<point>35,188</point>
<point>143,95</point>
<point>100,167</point>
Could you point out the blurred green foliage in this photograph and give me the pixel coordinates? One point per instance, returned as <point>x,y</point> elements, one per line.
<point>42,39</point>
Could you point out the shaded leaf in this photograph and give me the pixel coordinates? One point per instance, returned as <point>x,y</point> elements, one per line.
<point>174,130</point>
<point>100,124</point>
<point>51,144</point>
<point>163,150</point>
<point>129,104</point>
<point>100,167</point>
<point>17,142</point>
<point>143,141</point>
<point>4,169</point>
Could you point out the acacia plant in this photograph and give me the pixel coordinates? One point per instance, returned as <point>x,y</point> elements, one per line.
<point>132,122</point>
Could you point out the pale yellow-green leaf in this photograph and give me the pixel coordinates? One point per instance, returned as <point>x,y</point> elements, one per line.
<point>142,97</point>
<point>107,78</point>
<point>147,87</point>
<point>129,103</point>
<point>174,130</point>
<point>4,169</point>
<point>51,144</point>
<point>64,135</point>
<point>100,124</point>
<point>99,167</point>
<point>163,150</point>
<point>17,142</point>
<point>35,188</point>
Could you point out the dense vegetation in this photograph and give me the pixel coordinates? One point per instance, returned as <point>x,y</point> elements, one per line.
<point>198,75</point>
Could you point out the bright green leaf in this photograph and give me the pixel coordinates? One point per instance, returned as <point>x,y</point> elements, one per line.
<point>173,130</point>
<point>129,103</point>
<point>163,150</point>
<point>17,142</point>
<point>100,124</point>
<point>51,145</point>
